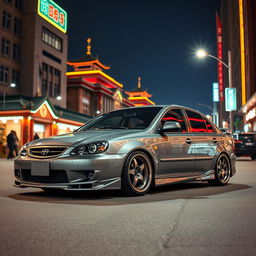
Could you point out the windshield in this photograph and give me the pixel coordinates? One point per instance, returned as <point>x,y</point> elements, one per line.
<point>132,118</point>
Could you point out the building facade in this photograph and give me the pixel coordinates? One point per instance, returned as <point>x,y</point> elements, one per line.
<point>33,49</point>
<point>238,30</point>
<point>91,91</point>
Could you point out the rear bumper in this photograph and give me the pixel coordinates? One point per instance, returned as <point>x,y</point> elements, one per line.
<point>245,151</point>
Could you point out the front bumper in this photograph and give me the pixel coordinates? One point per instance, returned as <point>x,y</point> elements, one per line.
<point>89,173</point>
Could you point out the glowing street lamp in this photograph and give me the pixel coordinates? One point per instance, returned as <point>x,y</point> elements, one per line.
<point>201,53</point>
<point>13,85</point>
<point>59,98</point>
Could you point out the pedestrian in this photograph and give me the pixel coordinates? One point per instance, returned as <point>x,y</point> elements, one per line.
<point>36,137</point>
<point>16,143</point>
<point>10,144</point>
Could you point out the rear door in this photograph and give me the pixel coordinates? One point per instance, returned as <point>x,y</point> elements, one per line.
<point>205,140</point>
<point>174,147</point>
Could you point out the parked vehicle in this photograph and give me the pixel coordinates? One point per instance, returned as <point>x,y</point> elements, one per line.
<point>245,144</point>
<point>132,149</point>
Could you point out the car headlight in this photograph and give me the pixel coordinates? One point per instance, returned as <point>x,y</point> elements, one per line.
<point>89,149</point>
<point>23,150</point>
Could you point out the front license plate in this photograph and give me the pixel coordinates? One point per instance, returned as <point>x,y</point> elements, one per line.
<point>248,143</point>
<point>39,168</point>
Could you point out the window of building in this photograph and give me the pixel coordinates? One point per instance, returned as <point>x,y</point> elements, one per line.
<point>6,20</point>
<point>17,26</point>
<point>106,103</point>
<point>86,102</point>
<point>51,39</point>
<point>57,83</point>
<point>175,115</point>
<point>16,77</point>
<point>51,81</point>
<point>16,52</point>
<point>5,48</point>
<point>4,74</point>
<point>18,4</point>
<point>45,80</point>
<point>196,121</point>
<point>8,1</point>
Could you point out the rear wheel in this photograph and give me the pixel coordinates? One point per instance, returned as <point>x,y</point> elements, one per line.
<point>253,157</point>
<point>222,171</point>
<point>137,174</point>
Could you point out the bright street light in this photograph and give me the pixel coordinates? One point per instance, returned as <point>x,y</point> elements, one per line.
<point>201,53</point>
<point>59,98</point>
<point>13,85</point>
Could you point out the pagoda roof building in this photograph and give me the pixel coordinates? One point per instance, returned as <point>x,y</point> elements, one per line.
<point>139,96</point>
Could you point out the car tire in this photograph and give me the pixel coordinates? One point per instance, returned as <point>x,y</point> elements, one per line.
<point>137,174</point>
<point>253,157</point>
<point>222,171</point>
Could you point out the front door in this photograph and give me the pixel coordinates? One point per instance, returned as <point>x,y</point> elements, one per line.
<point>174,149</point>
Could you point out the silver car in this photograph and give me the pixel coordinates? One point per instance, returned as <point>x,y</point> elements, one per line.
<point>130,149</point>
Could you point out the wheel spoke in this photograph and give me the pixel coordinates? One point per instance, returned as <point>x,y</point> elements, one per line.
<point>135,181</point>
<point>135,163</point>
<point>142,166</point>
<point>141,178</point>
<point>131,171</point>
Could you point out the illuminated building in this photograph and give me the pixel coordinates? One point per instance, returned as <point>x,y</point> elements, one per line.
<point>238,20</point>
<point>33,55</point>
<point>139,96</point>
<point>30,115</point>
<point>91,91</point>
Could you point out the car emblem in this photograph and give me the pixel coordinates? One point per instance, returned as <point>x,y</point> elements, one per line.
<point>45,152</point>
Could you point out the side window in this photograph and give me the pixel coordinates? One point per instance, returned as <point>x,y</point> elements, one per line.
<point>198,124</point>
<point>175,115</point>
<point>209,127</point>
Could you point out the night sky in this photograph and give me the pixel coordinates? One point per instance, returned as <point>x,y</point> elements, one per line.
<point>152,39</point>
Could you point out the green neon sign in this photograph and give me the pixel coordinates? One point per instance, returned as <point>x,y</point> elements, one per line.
<point>230,99</point>
<point>53,13</point>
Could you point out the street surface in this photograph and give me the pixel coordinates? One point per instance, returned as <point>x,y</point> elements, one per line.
<point>184,219</point>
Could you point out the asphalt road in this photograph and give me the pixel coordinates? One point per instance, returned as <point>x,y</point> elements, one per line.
<point>184,219</point>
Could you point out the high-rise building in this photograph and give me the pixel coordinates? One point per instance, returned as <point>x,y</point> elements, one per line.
<point>33,49</point>
<point>238,30</point>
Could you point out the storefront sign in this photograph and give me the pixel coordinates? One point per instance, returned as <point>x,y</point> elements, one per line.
<point>53,13</point>
<point>230,99</point>
<point>216,96</point>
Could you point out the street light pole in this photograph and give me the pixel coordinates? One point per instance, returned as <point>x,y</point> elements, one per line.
<point>201,54</point>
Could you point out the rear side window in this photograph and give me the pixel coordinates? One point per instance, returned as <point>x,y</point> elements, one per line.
<point>209,127</point>
<point>175,115</point>
<point>197,123</point>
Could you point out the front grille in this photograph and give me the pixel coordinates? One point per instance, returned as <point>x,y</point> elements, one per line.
<point>56,176</point>
<point>46,151</point>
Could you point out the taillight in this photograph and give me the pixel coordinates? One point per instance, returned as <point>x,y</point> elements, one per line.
<point>238,141</point>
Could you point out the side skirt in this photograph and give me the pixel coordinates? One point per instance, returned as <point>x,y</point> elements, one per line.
<point>209,175</point>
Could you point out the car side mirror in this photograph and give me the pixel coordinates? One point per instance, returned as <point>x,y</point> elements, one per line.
<point>170,126</point>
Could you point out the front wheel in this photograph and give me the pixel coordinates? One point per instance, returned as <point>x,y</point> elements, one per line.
<point>137,174</point>
<point>222,171</point>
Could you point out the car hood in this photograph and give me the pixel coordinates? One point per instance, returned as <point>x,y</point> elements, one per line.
<point>77,138</point>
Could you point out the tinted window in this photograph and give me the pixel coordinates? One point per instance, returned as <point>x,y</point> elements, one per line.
<point>210,128</point>
<point>133,118</point>
<point>175,115</point>
<point>196,121</point>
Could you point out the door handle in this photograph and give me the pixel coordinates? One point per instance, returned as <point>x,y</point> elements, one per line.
<point>188,141</point>
<point>214,140</point>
